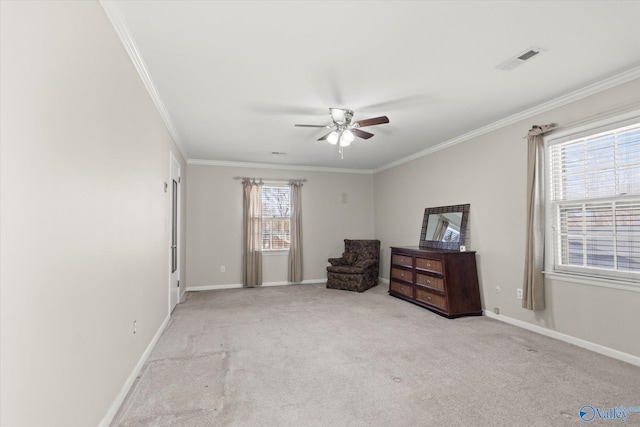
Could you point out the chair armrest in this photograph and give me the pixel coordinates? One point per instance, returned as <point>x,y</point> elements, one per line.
<point>336,261</point>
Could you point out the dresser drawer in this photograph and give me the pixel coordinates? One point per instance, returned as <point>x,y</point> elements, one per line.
<point>402,260</point>
<point>443,281</point>
<point>436,300</point>
<point>398,273</point>
<point>429,264</point>
<point>434,282</point>
<point>401,288</point>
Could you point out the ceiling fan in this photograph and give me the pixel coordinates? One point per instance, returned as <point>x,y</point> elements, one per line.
<point>344,130</point>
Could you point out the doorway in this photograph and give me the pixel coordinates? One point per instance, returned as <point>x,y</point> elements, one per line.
<point>174,249</point>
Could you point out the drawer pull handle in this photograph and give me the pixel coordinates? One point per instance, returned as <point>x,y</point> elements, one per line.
<point>429,299</point>
<point>428,282</point>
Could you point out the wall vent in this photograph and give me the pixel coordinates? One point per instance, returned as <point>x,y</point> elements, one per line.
<point>519,59</point>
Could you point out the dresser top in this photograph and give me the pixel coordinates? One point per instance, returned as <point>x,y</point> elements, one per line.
<point>429,250</point>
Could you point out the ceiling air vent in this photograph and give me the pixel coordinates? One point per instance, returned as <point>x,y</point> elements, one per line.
<point>519,59</point>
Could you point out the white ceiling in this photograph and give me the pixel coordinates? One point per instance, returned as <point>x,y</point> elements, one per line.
<point>235,76</point>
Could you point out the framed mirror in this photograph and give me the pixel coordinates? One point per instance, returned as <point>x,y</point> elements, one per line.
<point>444,227</point>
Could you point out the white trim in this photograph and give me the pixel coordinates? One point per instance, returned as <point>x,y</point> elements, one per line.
<point>597,348</point>
<point>383,280</point>
<point>601,282</point>
<point>576,95</point>
<point>119,24</point>
<point>173,159</point>
<point>621,117</point>
<point>115,406</point>
<point>225,163</point>
<point>198,288</point>
<point>275,252</point>
<point>304,282</point>
<point>583,275</point>
<point>239,285</point>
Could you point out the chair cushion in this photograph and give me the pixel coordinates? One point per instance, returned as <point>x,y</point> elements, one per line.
<point>345,269</point>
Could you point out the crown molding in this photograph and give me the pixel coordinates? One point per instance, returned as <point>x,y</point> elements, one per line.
<point>576,95</point>
<point>117,20</point>
<point>113,13</point>
<point>201,162</point>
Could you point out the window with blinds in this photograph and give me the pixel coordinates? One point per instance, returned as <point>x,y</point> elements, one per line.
<point>594,202</point>
<point>275,217</point>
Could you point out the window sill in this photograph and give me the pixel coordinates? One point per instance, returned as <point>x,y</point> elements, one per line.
<point>276,253</point>
<point>593,281</point>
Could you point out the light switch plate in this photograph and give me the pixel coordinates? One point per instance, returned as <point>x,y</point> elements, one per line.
<point>463,248</point>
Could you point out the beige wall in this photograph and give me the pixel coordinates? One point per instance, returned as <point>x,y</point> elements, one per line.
<point>214,222</point>
<point>84,216</point>
<point>85,227</point>
<point>489,172</point>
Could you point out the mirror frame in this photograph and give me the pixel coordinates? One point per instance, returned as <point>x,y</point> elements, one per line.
<point>454,246</point>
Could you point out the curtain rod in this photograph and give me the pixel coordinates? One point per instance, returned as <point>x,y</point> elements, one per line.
<point>595,117</point>
<point>271,179</point>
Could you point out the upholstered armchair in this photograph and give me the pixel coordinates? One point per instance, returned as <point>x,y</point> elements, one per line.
<point>357,269</point>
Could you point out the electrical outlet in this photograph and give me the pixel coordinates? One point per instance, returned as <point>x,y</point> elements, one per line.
<point>222,269</point>
<point>496,310</point>
<point>519,293</point>
<point>463,248</point>
<point>135,326</point>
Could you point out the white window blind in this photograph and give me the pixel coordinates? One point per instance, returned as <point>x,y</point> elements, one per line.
<point>275,217</point>
<point>595,204</point>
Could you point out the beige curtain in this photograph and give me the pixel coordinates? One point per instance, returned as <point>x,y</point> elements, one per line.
<point>295,248</point>
<point>533,286</point>
<point>251,238</point>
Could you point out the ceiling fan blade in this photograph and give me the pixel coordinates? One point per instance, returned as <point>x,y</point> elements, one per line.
<point>361,134</point>
<point>375,121</point>
<point>410,101</point>
<point>311,126</point>
<point>325,137</point>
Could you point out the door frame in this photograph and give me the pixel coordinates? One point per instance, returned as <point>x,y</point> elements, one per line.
<point>174,290</point>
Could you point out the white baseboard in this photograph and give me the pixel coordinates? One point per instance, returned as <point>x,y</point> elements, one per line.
<point>113,410</point>
<point>597,348</point>
<point>239,285</point>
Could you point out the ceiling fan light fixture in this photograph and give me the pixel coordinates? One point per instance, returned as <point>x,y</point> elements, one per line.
<point>344,130</point>
<point>346,138</point>
<point>337,115</point>
<point>341,116</point>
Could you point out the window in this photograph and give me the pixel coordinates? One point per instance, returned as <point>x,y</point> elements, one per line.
<point>451,235</point>
<point>594,203</point>
<point>275,217</point>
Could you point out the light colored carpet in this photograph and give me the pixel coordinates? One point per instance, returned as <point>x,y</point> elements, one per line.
<point>310,356</point>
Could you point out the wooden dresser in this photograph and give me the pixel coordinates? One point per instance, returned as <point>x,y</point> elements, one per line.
<point>444,281</point>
